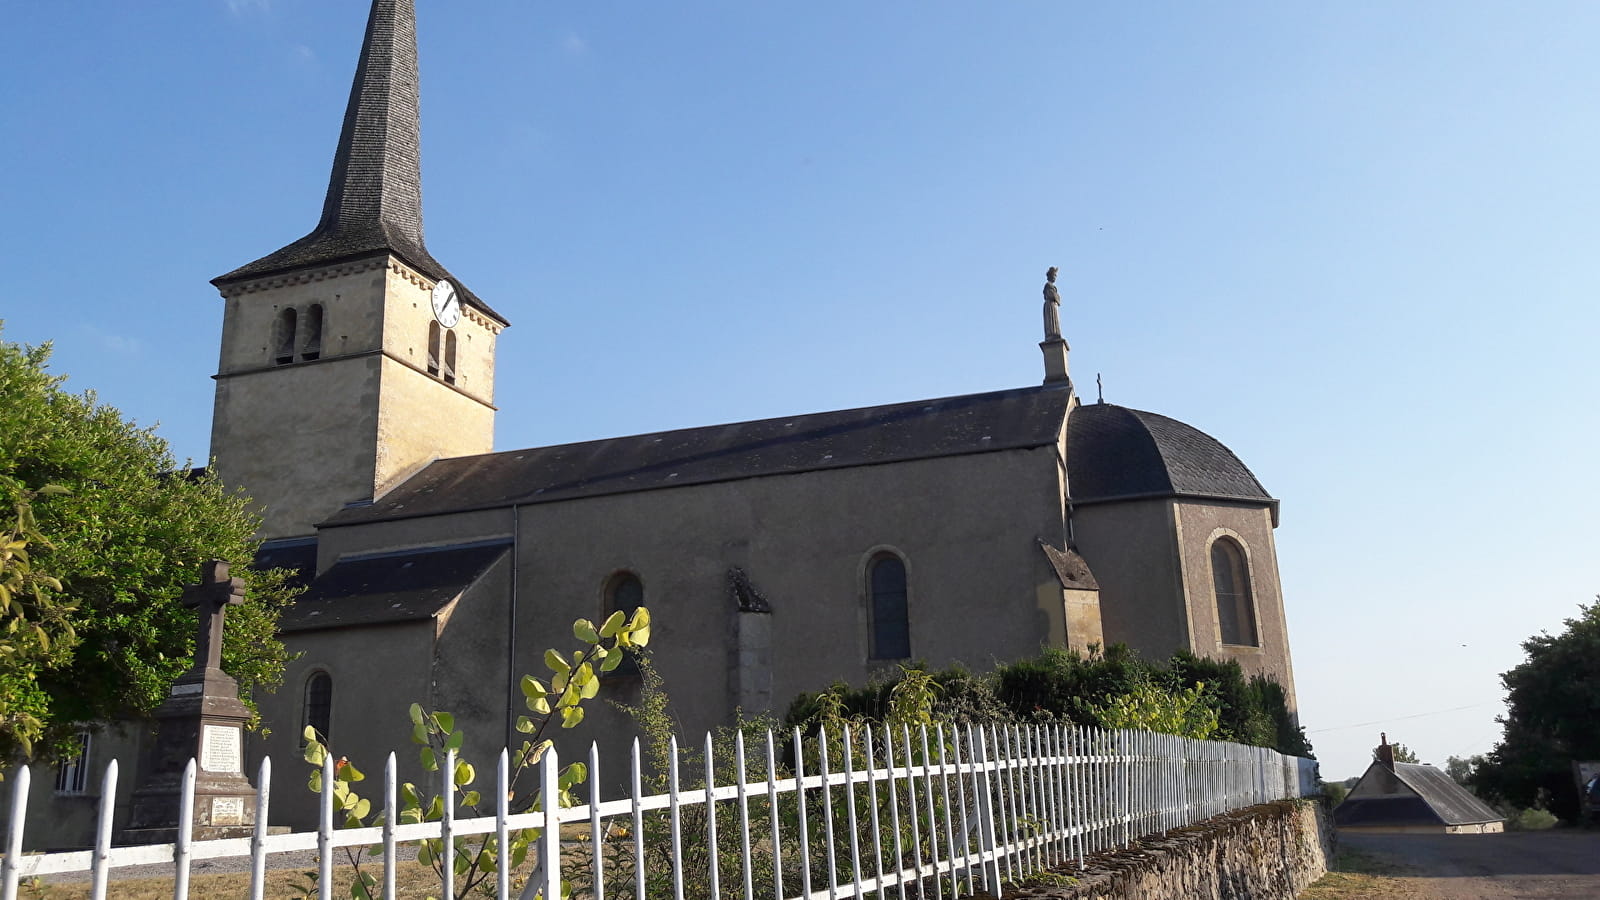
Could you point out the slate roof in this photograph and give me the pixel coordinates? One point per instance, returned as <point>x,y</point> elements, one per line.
<point>391,587</point>
<point>1412,794</point>
<point>374,200</point>
<point>299,555</point>
<point>1117,453</point>
<point>923,429</point>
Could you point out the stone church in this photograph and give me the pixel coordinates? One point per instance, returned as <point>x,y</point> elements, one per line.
<point>776,556</point>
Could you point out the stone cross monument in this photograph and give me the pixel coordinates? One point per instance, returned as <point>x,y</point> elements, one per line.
<point>202,719</point>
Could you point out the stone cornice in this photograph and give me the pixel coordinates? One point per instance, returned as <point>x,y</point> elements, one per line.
<point>302,276</point>
<point>354,267</point>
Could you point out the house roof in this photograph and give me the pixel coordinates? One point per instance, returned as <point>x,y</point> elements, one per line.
<point>1117,453</point>
<point>923,429</point>
<point>374,200</point>
<point>1411,794</point>
<point>390,587</point>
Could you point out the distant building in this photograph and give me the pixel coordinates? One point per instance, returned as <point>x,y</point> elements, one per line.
<point>1402,797</point>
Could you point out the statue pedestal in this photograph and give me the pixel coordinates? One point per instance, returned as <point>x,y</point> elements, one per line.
<point>1055,360</point>
<point>202,719</point>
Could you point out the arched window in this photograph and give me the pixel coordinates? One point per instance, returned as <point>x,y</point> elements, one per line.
<point>433,349</point>
<point>319,705</point>
<point>312,348</point>
<point>450,357</point>
<point>624,593</point>
<point>1230,579</point>
<point>283,341</point>
<point>891,625</point>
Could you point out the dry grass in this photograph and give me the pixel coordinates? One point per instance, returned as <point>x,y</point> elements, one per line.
<point>412,879</point>
<point>1358,876</point>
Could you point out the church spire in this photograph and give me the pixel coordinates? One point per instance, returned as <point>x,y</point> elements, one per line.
<point>374,199</point>
<point>376,184</point>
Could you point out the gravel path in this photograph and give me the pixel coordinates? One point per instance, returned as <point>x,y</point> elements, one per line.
<point>1528,865</point>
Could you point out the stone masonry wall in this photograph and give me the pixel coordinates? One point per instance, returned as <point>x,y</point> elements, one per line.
<point>1267,852</point>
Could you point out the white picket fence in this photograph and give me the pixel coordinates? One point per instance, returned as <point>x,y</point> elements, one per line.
<point>931,812</point>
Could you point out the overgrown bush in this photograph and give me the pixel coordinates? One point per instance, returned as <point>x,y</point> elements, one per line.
<point>1114,688</point>
<point>1532,819</point>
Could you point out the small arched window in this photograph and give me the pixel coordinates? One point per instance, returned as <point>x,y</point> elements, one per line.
<point>891,625</point>
<point>450,357</point>
<point>312,348</point>
<point>433,349</point>
<point>283,341</point>
<point>624,593</point>
<point>1230,579</point>
<point>319,705</point>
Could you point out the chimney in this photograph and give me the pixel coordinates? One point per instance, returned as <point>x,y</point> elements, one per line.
<point>1385,753</point>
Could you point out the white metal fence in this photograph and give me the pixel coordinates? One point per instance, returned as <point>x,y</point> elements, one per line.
<point>930,812</point>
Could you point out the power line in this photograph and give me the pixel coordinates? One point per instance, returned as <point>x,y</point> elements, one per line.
<point>1437,712</point>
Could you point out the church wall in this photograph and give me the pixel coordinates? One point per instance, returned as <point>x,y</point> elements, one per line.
<point>966,527</point>
<point>1200,523</point>
<point>421,419</point>
<point>378,671</point>
<point>58,820</point>
<point>1132,548</point>
<point>469,662</point>
<point>301,458</point>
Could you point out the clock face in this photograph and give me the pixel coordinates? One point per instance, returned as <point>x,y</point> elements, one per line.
<point>446,304</point>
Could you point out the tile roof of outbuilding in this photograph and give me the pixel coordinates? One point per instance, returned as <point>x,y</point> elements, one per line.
<point>923,429</point>
<point>1115,453</point>
<point>1411,794</point>
<point>374,199</point>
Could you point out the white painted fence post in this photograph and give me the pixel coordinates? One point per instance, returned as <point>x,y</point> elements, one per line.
<point>258,849</point>
<point>325,830</point>
<point>550,837</point>
<point>983,788</point>
<point>102,832</point>
<point>180,881</point>
<point>19,816</point>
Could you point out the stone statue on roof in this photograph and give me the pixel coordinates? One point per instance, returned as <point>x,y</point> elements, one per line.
<point>1052,307</point>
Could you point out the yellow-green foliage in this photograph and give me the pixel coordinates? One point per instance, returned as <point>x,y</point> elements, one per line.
<point>1182,712</point>
<point>556,700</point>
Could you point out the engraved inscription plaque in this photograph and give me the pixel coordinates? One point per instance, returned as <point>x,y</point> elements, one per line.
<point>227,811</point>
<point>219,749</point>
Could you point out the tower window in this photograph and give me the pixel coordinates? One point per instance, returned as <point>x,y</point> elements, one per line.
<point>312,348</point>
<point>450,357</point>
<point>891,625</point>
<point>1230,579</point>
<point>283,341</point>
<point>319,705</point>
<point>433,349</point>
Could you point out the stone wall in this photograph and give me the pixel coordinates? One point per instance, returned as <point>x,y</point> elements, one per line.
<point>1267,852</point>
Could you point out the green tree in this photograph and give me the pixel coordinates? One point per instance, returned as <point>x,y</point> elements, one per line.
<point>1552,718</point>
<point>35,632</point>
<point>125,535</point>
<point>1404,754</point>
<point>1462,769</point>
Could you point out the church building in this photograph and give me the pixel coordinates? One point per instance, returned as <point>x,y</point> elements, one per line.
<point>776,556</point>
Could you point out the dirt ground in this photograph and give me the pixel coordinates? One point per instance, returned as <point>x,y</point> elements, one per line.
<point>1530,865</point>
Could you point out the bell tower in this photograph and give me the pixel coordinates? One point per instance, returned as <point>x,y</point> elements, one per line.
<point>351,357</point>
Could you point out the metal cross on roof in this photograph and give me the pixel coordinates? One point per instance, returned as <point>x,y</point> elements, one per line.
<point>214,594</point>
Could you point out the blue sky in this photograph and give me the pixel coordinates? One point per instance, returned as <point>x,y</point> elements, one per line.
<point>1353,241</point>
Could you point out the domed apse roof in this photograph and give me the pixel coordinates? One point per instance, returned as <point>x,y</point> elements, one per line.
<point>1116,453</point>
